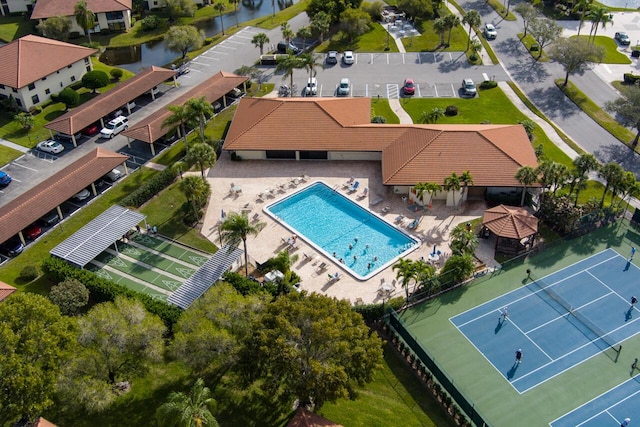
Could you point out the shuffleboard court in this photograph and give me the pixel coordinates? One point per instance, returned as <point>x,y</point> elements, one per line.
<point>155,260</point>
<point>125,281</point>
<point>139,272</point>
<point>558,321</point>
<point>179,252</point>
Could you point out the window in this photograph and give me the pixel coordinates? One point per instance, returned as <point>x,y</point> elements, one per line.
<point>32,86</point>
<point>61,85</point>
<point>35,99</point>
<point>18,102</point>
<point>73,78</point>
<point>88,68</point>
<point>47,91</point>
<point>117,26</point>
<point>44,78</point>
<point>86,61</point>
<point>1,86</point>
<point>112,16</point>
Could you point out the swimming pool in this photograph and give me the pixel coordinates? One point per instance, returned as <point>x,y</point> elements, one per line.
<point>342,230</point>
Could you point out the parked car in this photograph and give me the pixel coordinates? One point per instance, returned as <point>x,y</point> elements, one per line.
<point>32,232</point>
<point>90,130</point>
<point>12,247</point>
<point>123,110</point>
<point>490,32</point>
<point>5,179</point>
<point>65,137</point>
<point>234,93</point>
<point>155,91</point>
<point>283,47</point>
<point>469,87</point>
<point>332,57</point>
<point>622,38</point>
<point>114,127</point>
<point>50,146</point>
<point>50,219</point>
<point>344,88</point>
<point>348,58</point>
<point>82,195</point>
<point>312,87</point>
<point>409,87</point>
<point>114,175</point>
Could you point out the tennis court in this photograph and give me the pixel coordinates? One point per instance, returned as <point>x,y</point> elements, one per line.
<point>569,319</point>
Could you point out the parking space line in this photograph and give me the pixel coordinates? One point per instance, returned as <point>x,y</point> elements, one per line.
<point>403,58</point>
<point>25,167</point>
<point>435,89</point>
<point>387,59</point>
<point>418,89</point>
<point>226,47</point>
<point>453,91</point>
<point>233,41</point>
<point>366,90</point>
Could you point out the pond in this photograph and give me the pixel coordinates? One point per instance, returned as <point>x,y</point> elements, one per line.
<point>627,4</point>
<point>137,57</point>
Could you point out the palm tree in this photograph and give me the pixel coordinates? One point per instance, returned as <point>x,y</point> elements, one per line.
<point>179,119</point>
<point>526,176</point>
<point>463,241</point>
<point>612,173</point>
<point>304,33</point>
<point>582,6</point>
<point>466,179</point>
<point>584,164</point>
<point>599,16</point>
<point>452,183</point>
<point>432,116</point>
<point>85,17</point>
<point>473,19</point>
<point>287,32</point>
<point>220,7</point>
<point>424,275</point>
<point>406,272</point>
<point>432,188</point>
<point>235,229</point>
<point>201,154</point>
<point>236,6</point>
<point>200,109</point>
<point>310,61</point>
<point>451,22</point>
<point>197,191</point>
<point>179,167</point>
<point>193,410</point>
<point>320,24</point>
<point>630,187</point>
<point>420,188</point>
<point>440,27</point>
<point>286,65</point>
<point>259,40</point>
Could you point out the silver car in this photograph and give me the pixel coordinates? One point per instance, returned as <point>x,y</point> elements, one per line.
<point>344,88</point>
<point>50,146</point>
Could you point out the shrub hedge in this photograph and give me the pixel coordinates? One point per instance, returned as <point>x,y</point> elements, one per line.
<point>103,290</point>
<point>149,189</point>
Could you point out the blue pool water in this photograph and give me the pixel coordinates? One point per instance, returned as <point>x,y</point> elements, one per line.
<point>332,223</point>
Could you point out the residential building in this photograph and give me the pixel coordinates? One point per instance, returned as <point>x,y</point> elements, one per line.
<point>111,15</point>
<point>16,6</point>
<point>35,67</point>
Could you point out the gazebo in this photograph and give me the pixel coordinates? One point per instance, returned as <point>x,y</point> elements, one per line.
<point>514,227</point>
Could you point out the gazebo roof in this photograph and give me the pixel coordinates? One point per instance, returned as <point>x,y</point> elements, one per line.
<point>510,222</point>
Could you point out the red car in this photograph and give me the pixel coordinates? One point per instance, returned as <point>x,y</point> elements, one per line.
<point>32,232</point>
<point>90,130</point>
<point>409,87</point>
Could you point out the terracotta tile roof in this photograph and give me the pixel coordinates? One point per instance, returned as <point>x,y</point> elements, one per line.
<point>511,222</point>
<point>44,423</point>
<point>31,58</point>
<point>47,8</point>
<point>150,128</point>
<point>30,206</point>
<point>410,153</point>
<point>6,290</point>
<point>89,112</point>
<point>305,418</point>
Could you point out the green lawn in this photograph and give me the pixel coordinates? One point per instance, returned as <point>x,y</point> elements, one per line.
<point>380,107</point>
<point>8,154</point>
<point>13,27</point>
<point>429,40</point>
<point>611,53</point>
<point>600,116</point>
<point>395,394</point>
<point>529,41</point>
<point>482,109</point>
<point>498,6</point>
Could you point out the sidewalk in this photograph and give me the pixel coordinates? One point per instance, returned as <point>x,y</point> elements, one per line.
<point>14,146</point>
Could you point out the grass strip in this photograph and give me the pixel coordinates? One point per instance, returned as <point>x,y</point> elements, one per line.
<point>381,107</point>
<point>529,41</point>
<point>498,6</point>
<point>594,111</point>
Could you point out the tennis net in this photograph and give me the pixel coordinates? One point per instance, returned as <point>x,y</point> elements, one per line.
<point>595,333</point>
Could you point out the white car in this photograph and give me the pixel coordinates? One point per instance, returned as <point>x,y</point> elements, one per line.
<point>469,87</point>
<point>82,195</point>
<point>114,127</point>
<point>348,57</point>
<point>344,87</point>
<point>50,146</point>
<point>312,87</point>
<point>490,32</point>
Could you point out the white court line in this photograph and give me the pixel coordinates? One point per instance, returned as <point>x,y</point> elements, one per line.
<point>532,341</point>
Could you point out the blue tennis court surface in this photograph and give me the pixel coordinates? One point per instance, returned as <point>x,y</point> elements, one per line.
<point>586,311</point>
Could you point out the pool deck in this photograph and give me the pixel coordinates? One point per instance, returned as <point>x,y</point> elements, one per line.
<point>255,177</point>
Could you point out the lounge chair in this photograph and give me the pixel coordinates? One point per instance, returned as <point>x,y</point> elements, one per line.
<point>270,193</point>
<point>354,187</point>
<point>256,217</point>
<point>304,178</point>
<point>414,223</point>
<point>399,219</point>
<point>348,183</point>
<point>334,277</point>
<point>364,193</point>
<point>260,198</point>
<point>322,266</point>
<point>386,209</point>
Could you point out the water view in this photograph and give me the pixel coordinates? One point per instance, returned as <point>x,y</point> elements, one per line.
<point>138,57</point>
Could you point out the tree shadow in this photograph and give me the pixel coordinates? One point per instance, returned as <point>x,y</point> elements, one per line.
<point>554,103</point>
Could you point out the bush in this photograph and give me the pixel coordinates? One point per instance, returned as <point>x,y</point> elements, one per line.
<point>534,47</point>
<point>69,97</point>
<point>29,273</point>
<point>74,35</point>
<point>70,296</point>
<point>630,79</point>
<point>208,41</point>
<point>95,79</point>
<point>150,23</point>
<point>149,189</point>
<point>103,290</point>
<point>488,84</point>
<point>35,110</point>
<point>451,110</point>
<point>378,119</point>
<point>116,73</point>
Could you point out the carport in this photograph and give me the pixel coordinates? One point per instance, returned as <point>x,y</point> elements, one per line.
<point>27,208</point>
<point>120,96</point>
<point>206,276</point>
<point>96,236</point>
<point>214,89</point>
